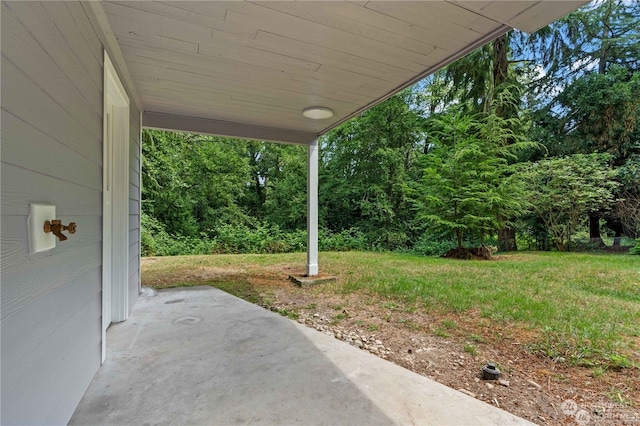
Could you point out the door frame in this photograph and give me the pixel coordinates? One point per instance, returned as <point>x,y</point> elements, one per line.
<point>115,201</point>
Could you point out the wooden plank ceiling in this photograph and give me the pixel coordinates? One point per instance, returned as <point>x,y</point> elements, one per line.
<point>248,69</point>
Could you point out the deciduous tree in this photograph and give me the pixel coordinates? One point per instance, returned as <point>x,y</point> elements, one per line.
<point>563,191</point>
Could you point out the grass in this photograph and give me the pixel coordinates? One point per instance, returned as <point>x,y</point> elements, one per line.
<point>584,308</point>
<point>442,333</point>
<point>476,338</point>
<point>470,349</point>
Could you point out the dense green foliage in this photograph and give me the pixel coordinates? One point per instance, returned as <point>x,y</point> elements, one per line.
<point>499,147</point>
<point>365,167</point>
<point>563,191</point>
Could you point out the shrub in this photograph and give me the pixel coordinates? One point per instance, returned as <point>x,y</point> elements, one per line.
<point>262,238</point>
<point>428,246</point>
<point>345,240</point>
<point>270,238</point>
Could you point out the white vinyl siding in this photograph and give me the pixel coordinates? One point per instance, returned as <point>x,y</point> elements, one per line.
<point>52,153</point>
<point>135,194</point>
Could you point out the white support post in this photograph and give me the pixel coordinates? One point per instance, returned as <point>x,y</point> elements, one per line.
<point>312,209</point>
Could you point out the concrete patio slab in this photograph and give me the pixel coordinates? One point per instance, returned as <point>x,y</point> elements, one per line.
<point>200,356</point>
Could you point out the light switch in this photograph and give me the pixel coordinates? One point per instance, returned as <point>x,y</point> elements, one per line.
<point>39,240</point>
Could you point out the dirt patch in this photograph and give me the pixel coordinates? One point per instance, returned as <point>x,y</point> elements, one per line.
<point>449,348</point>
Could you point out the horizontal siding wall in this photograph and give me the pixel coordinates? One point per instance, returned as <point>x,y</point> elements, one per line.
<point>134,205</point>
<point>52,78</point>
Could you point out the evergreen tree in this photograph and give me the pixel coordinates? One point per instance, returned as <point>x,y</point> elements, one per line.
<point>468,189</point>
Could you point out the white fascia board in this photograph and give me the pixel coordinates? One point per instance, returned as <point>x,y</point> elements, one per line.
<point>163,121</point>
<point>98,18</point>
<point>544,13</point>
<point>533,16</point>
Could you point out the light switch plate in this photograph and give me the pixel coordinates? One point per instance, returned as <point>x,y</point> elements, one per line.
<point>39,240</point>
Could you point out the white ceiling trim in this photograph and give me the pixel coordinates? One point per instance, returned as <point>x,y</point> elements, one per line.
<point>162,121</point>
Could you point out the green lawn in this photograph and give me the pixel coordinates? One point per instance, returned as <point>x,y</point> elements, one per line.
<point>586,306</point>
<point>582,307</point>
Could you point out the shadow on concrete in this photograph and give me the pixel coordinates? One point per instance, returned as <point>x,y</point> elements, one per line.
<point>201,356</point>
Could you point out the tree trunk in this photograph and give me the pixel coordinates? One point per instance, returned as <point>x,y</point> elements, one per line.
<point>594,230</point>
<point>606,35</point>
<point>507,239</point>
<point>506,235</point>
<point>618,232</point>
<point>500,66</point>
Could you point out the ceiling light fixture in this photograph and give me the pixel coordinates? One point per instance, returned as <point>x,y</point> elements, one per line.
<point>317,113</point>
